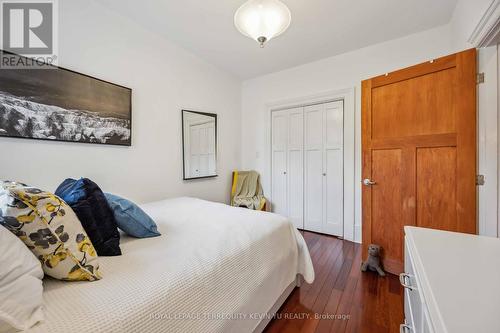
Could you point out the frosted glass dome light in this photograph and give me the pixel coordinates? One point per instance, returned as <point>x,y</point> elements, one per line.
<point>262,20</point>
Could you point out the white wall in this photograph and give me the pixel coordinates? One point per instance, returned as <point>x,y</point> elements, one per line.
<point>164,79</point>
<point>339,72</point>
<point>464,19</point>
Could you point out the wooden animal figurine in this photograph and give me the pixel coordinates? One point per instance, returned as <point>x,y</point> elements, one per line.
<point>373,261</point>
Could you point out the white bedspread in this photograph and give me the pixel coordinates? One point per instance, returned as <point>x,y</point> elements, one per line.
<point>212,269</point>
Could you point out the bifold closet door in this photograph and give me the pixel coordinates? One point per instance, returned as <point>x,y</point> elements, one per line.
<point>295,170</point>
<point>211,155</point>
<point>333,166</point>
<point>313,161</point>
<point>194,148</point>
<point>279,162</point>
<point>202,149</point>
<point>288,164</point>
<point>323,160</point>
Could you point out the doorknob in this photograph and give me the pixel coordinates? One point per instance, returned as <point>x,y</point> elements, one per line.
<point>404,328</point>
<point>368,182</point>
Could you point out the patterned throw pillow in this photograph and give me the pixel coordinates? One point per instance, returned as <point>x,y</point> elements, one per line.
<point>51,230</point>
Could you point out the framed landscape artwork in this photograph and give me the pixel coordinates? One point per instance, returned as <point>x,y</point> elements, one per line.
<point>62,105</point>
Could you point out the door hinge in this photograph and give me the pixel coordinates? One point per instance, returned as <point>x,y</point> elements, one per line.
<point>480,180</point>
<point>480,78</point>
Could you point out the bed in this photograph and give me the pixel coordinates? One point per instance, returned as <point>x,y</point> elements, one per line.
<point>215,268</point>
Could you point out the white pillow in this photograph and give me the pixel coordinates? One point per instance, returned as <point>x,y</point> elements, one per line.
<point>20,284</point>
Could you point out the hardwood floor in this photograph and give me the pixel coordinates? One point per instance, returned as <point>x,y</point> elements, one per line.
<point>341,298</point>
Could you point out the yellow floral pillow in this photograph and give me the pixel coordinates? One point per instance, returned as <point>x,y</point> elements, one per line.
<point>50,228</point>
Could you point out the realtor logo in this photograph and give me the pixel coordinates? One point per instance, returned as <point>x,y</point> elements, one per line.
<point>29,29</point>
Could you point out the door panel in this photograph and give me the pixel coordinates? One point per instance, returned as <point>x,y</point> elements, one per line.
<point>279,162</point>
<point>314,127</point>
<point>314,190</point>
<point>296,167</point>
<point>296,136</point>
<point>194,150</point>
<point>334,193</point>
<point>419,146</point>
<point>280,132</point>
<point>333,160</point>
<point>387,202</point>
<point>426,101</point>
<point>211,150</point>
<point>334,134</point>
<point>204,152</point>
<point>296,188</point>
<point>203,169</point>
<point>313,181</point>
<point>279,183</point>
<point>436,188</point>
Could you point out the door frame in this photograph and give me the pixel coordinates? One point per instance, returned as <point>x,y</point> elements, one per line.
<point>348,97</point>
<point>487,112</point>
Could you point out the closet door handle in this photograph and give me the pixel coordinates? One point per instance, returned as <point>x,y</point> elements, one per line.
<point>284,172</point>
<point>324,174</point>
<point>368,182</point>
<point>402,279</point>
<point>404,328</point>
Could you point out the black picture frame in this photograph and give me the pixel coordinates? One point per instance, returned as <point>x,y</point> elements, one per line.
<point>128,100</point>
<point>213,115</point>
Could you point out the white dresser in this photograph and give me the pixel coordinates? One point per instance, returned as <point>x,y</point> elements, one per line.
<point>452,282</point>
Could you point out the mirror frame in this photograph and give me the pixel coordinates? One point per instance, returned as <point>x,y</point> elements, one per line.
<point>213,115</point>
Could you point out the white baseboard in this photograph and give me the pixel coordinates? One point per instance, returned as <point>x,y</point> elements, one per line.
<point>357,234</point>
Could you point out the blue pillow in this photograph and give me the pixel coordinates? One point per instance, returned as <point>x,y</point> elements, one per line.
<point>130,218</point>
<point>71,191</point>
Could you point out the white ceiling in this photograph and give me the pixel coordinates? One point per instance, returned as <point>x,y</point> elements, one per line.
<point>319,29</point>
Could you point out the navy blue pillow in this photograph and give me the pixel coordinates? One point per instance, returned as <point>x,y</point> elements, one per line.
<point>131,218</point>
<point>71,191</point>
<point>90,205</point>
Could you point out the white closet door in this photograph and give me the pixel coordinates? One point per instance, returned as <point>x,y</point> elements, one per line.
<point>295,170</point>
<point>211,149</point>
<point>333,160</point>
<point>194,150</point>
<point>307,166</point>
<point>203,153</point>
<point>313,160</point>
<point>279,162</point>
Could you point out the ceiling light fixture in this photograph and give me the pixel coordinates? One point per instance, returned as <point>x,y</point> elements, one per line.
<point>262,19</point>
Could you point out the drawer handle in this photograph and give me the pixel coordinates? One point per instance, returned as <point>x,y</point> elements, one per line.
<point>402,279</point>
<point>404,328</point>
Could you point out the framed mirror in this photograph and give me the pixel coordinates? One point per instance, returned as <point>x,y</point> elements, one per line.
<point>199,144</point>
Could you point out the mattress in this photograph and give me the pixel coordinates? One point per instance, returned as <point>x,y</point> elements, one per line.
<point>215,268</point>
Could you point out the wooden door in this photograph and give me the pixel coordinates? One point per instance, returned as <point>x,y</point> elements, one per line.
<point>419,149</point>
<point>279,162</point>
